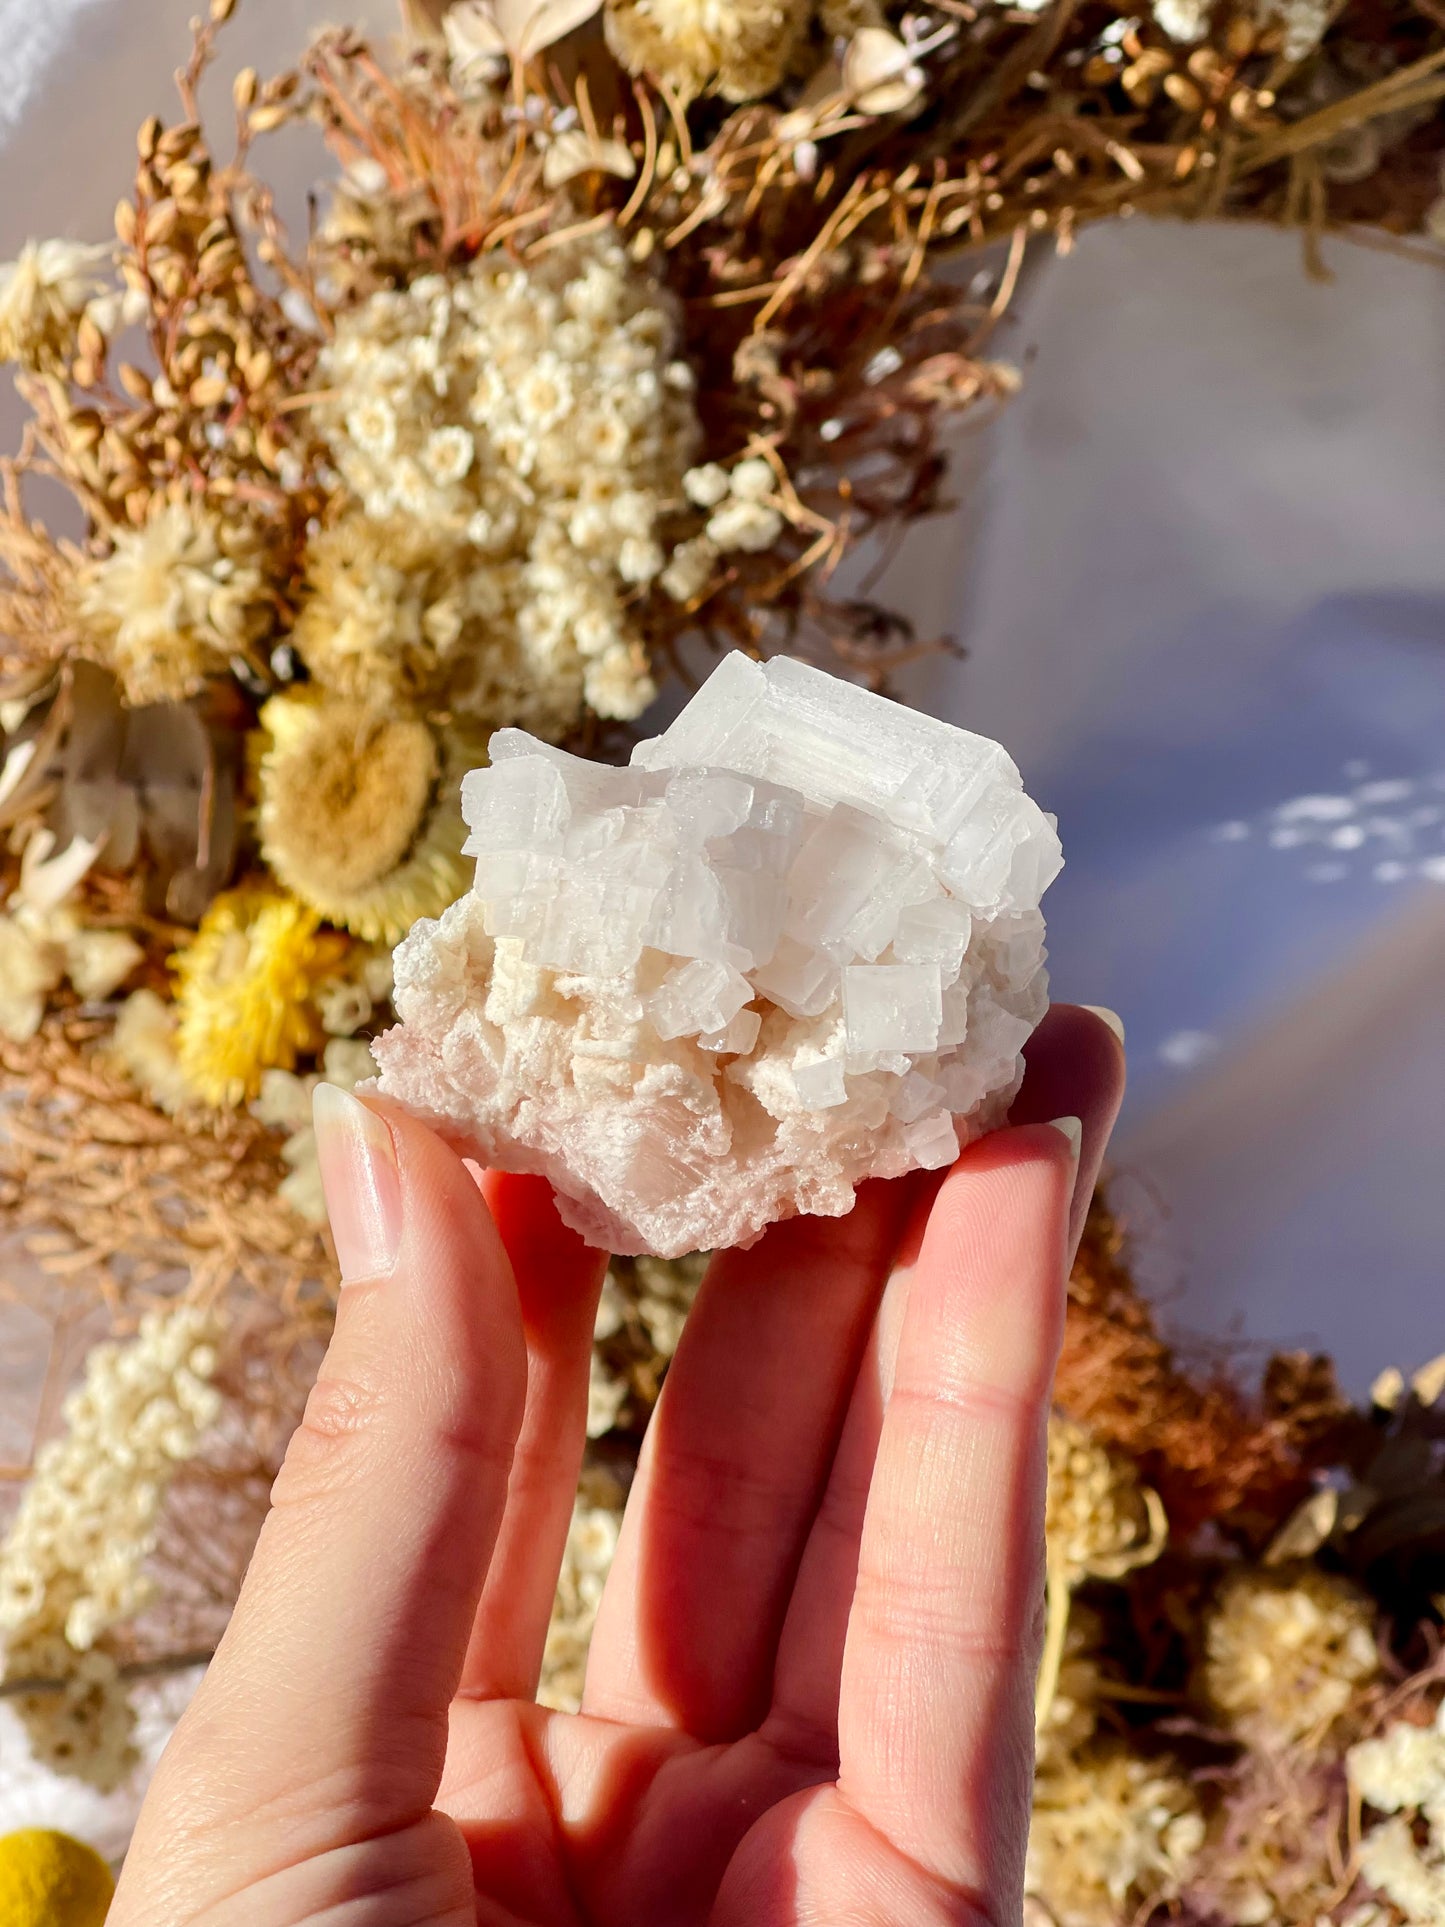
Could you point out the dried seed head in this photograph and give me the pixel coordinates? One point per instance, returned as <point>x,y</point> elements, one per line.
<point>125,223</point>
<point>207,390</point>
<point>146,139</point>
<point>243,88</point>
<point>185,180</point>
<point>177,142</point>
<point>1183,93</point>
<point>1240,36</point>
<point>161,223</point>
<point>89,340</point>
<point>256,367</point>
<point>83,430</point>
<point>170,277</point>
<point>221,11</point>
<point>134,381</point>
<point>264,119</point>
<point>219,260</point>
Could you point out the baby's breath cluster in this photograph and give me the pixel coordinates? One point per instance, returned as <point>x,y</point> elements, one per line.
<point>513,440</point>
<point>74,1564</point>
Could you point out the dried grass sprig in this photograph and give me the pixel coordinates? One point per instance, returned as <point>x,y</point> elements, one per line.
<point>122,1203</point>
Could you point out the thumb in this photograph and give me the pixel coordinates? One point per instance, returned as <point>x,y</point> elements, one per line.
<point>322,1721</point>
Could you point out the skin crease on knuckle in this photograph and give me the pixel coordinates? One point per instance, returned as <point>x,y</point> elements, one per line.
<point>342,1437</point>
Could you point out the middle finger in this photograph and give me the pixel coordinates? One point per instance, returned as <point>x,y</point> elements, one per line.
<point>732,1470</point>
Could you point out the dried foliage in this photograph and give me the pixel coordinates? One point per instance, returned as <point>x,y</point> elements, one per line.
<point>118,1199</point>
<point>1212,1453</point>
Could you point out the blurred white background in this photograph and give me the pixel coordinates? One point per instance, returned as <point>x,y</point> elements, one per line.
<point>1200,574</point>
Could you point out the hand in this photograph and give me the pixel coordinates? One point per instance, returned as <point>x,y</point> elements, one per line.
<point>810,1694</point>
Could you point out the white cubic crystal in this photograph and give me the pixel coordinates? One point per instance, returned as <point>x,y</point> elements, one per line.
<point>892,1007</point>
<point>795,944</point>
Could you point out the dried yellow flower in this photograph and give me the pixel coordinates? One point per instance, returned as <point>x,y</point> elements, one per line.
<point>359,813</point>
<point>1286,1651</point>
<point>740,47</point>
<point>244,989</point>
<point>1112,1835</point>
<point>175,601</point>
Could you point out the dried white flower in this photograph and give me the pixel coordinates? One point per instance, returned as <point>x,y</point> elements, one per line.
<point>285,1104</point>
<point>43,294</point>
<point>1411,1876</point>
<point>708,485</point>
<point>690,569</point>
<point>740,47</point>
<point>144,1043</point>
<point>1402,1773</point>
<point>1304,23</point>
<point>1286,1650</point>
<point>1183,20</point>
<point>42,944</point>
<point>752,479</point>
<point>744,525</point>
<point>174,602</point>
<point>512,484</point>
<point>1111,1832</point>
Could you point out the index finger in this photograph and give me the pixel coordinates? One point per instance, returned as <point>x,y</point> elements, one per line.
<point>936,1715</point>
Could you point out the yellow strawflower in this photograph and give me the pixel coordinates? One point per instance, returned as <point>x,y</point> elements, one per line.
<point>244,990</point>
<point>360,814</point>
<point>49,1880</point>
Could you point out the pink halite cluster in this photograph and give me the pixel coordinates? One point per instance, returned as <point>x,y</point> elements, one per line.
<point>795,944</point>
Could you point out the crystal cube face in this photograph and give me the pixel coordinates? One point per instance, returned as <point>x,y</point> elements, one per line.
<point>795,944</point>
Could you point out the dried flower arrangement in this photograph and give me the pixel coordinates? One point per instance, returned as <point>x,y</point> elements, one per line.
<point>617,325</point>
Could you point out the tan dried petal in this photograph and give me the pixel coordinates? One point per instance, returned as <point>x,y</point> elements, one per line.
<point>578,152</point>
<point>481,30</point>
<point>879,72</point>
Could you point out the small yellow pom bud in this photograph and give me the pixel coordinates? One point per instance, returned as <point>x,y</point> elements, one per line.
<point>50,1880</point>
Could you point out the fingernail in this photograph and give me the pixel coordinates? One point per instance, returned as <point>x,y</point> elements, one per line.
<point>1109,1017</point>
<point>359,1176</point>
<point>1071,1131</point>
